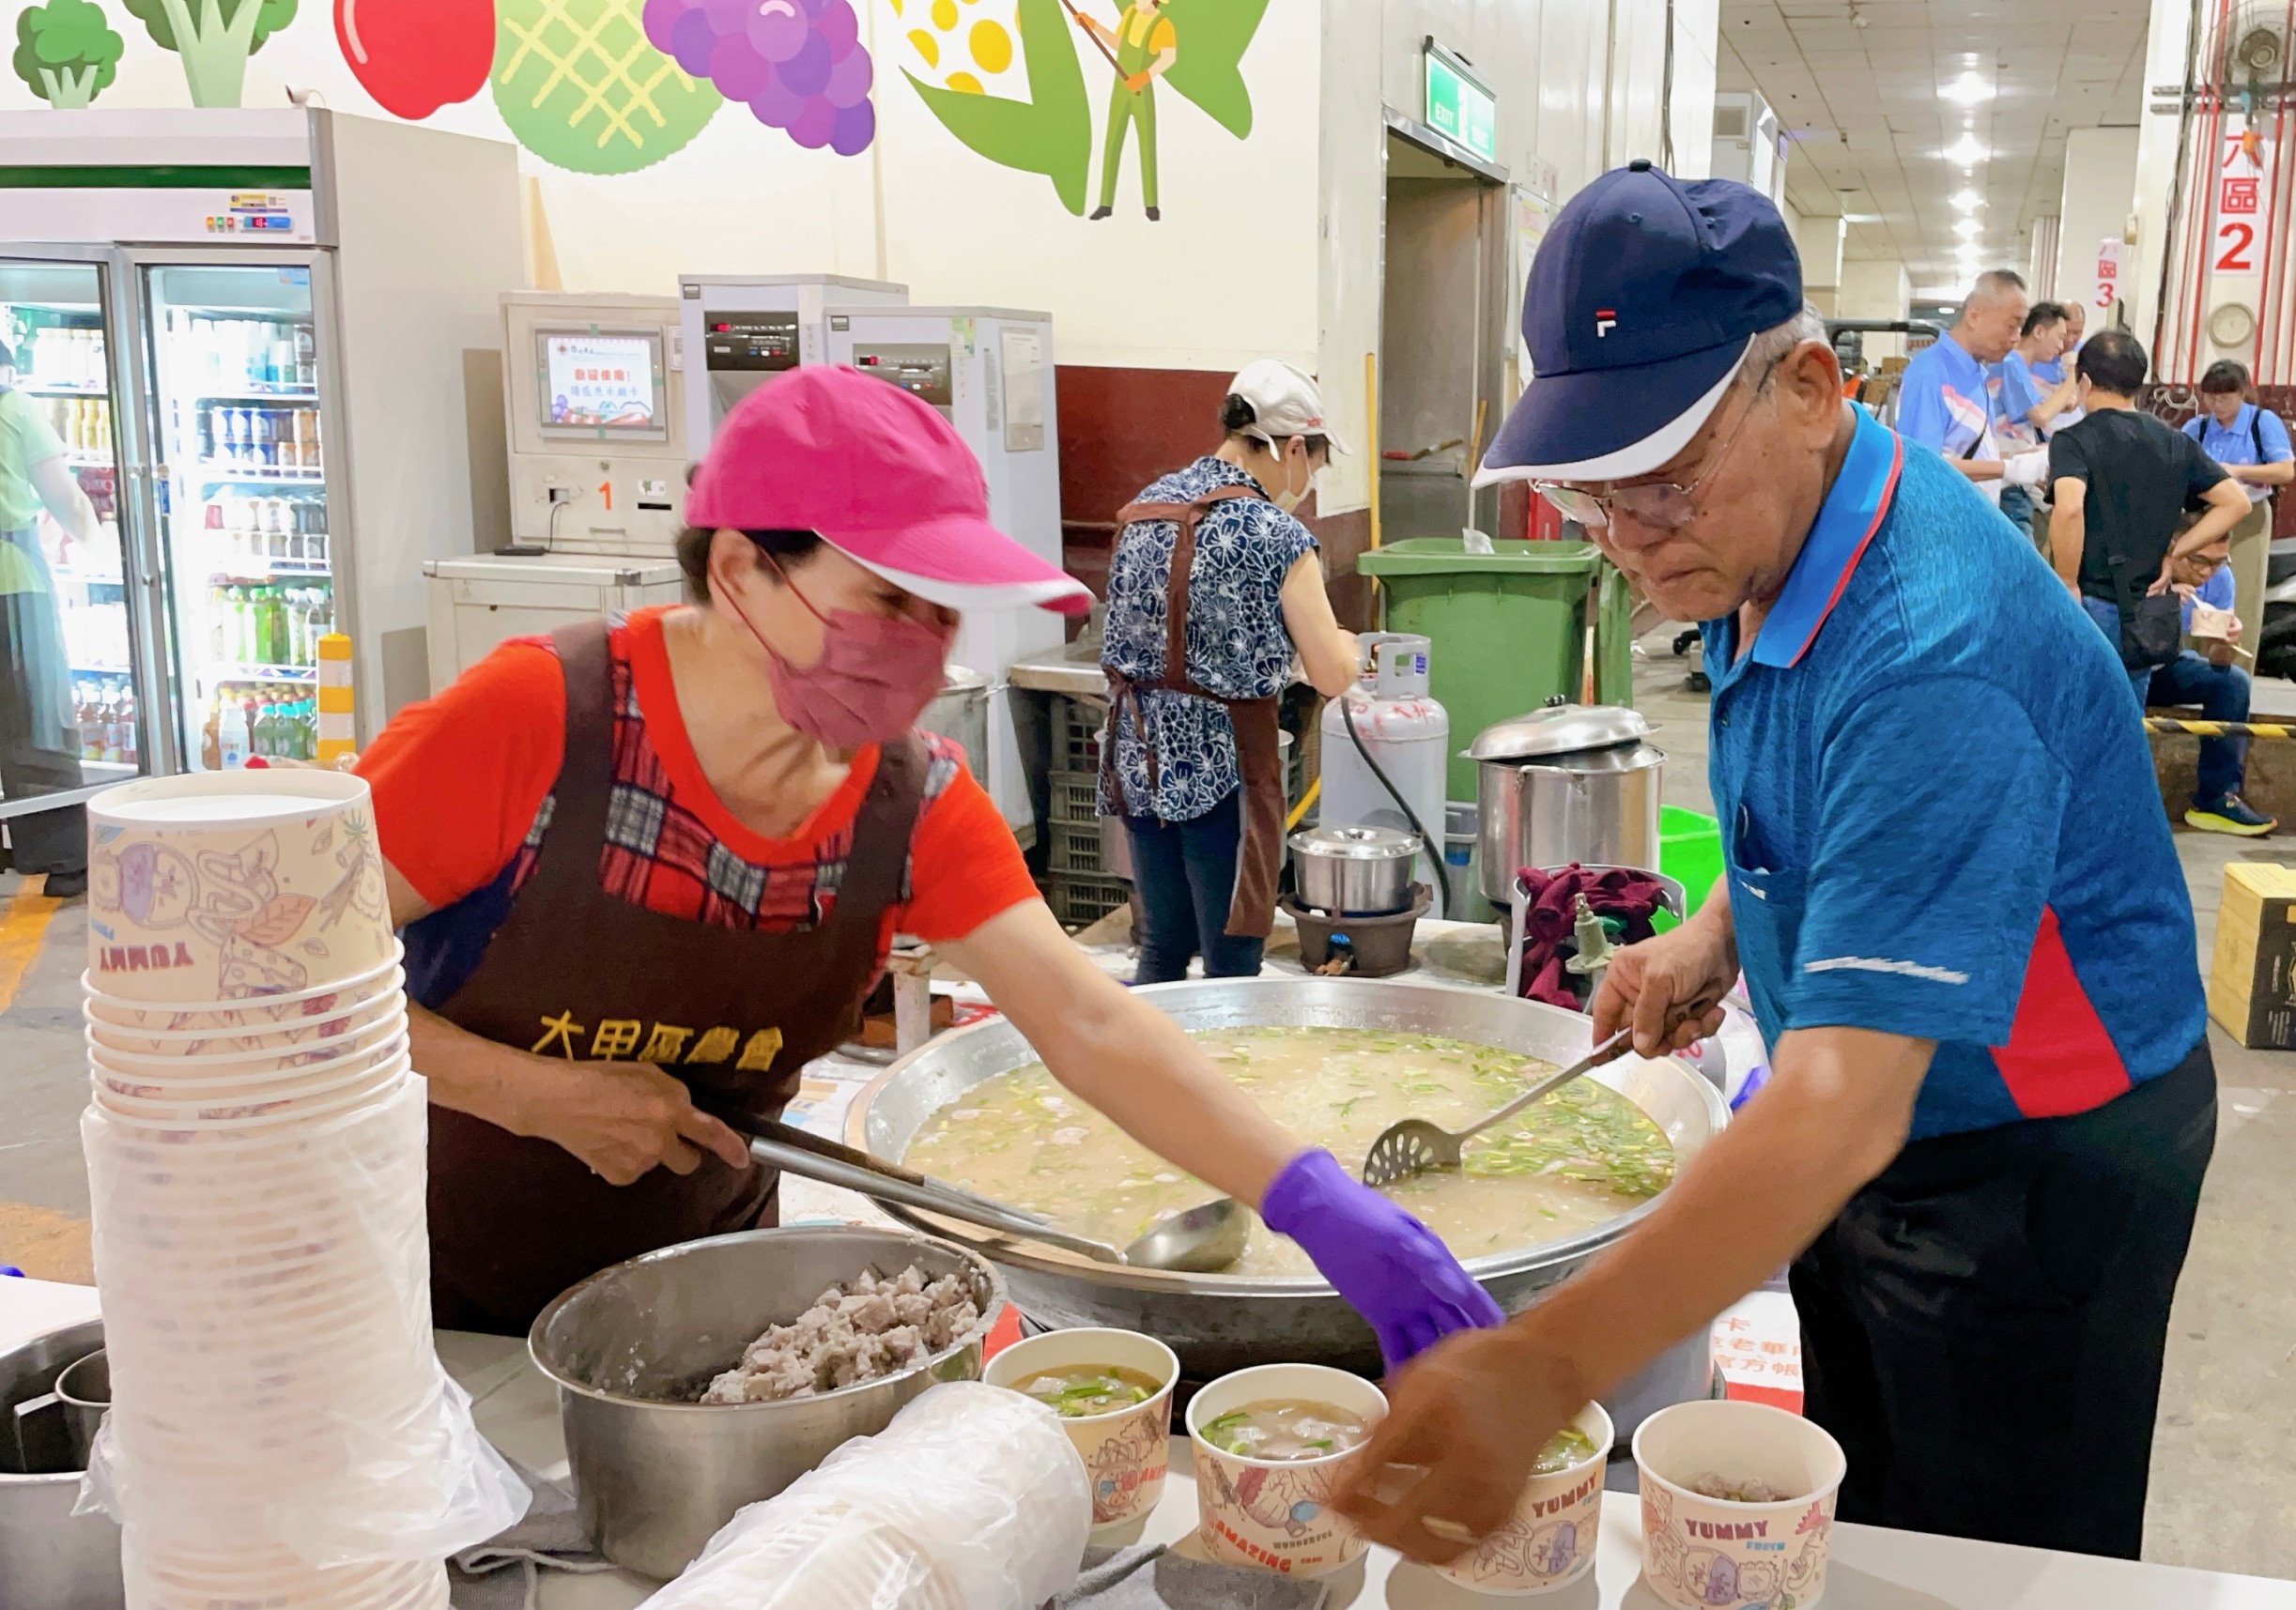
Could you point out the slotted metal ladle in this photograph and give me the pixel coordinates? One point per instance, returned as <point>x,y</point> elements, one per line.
<point>1414,1145</point>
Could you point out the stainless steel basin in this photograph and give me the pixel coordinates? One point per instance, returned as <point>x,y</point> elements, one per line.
<point>50,1560</point>
<point>1219,1323</point>
<point>655,1476</point>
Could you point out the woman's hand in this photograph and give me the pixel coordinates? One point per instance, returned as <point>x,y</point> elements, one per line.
<point>1470,1418</point>
<point>625,1119</point>
<point>1389,1266</point>
<point>1670,988</point>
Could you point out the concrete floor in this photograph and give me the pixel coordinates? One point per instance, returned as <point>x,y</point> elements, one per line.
<point>2223,1485</point>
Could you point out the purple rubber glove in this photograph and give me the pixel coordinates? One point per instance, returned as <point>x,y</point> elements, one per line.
<point>1385,1263</point>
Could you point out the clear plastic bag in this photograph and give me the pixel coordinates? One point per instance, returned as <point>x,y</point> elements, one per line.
<point>972,1499</point>
<point>266,1319</point>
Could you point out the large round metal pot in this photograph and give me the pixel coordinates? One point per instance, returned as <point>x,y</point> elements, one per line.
<point>1354,871</point>
<point>1592,806</point>
<point>656,1476</point>
<point>50,1558</point>
<point>1219,1323</point>
<point>961,710</point>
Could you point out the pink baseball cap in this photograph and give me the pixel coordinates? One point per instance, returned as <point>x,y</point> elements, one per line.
<point>880,476</point>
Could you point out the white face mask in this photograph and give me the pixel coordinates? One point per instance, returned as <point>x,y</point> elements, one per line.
<point>1288,499</point>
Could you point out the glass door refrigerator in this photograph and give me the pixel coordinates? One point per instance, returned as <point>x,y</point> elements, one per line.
<point>238,427</point>
<point>75,649</point>
<point>269,342</point>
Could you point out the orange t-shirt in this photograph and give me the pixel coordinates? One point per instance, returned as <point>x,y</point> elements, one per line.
<point>461,783</point>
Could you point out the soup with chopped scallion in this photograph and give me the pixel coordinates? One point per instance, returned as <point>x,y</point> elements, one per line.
<point>1579,1158</point>
<point>1080,1393</point>
<point>1286,1429</point>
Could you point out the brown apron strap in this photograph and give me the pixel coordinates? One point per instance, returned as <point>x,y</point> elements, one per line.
<point>882,831</point>
<point>1124,691</point>
<point>580,798</point>
<point>1259,761</point>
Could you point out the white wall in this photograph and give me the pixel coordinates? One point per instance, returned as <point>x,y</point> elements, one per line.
<point>1818,237</point>
<point>2154,177</point>
<point>916,204</point>
<point>1579,86</point>
<point>1876,288</point>
<point>2101,166</point>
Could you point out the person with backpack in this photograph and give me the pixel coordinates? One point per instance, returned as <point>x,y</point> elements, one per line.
<point>2252,444</point>
<point>2122,481</point>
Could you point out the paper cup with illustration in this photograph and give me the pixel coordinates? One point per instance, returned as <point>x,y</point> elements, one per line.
<point>1549,1541</point>
<point>1088,1377</point>
<point>229,885</point>
<point>1763,1542</point>
<point>1276,1513</point>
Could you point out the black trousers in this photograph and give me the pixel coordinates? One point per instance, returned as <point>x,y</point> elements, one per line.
<point>1983,1326</point>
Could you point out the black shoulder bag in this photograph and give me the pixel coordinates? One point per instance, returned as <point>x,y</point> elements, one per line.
<point>2151,625</point>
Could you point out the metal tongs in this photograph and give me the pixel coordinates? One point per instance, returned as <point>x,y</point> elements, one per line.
<point>1199,1241</point>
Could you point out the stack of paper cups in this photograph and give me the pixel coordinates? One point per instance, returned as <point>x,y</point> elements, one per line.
<point>336,736</point>
<point>281,1431</point>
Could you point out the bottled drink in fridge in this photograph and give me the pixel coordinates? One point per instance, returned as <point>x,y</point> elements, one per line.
<point>231,731</point>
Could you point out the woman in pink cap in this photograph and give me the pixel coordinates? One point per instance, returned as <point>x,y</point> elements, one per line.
<point>647,871</point>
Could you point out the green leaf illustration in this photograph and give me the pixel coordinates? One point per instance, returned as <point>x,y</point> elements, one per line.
<point>580,87</point>
<point>1049,133</point>
<point>1212,37</point>
<point>214,39</point>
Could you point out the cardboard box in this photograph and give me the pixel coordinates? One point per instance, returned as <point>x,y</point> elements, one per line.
<point>2252,974</point>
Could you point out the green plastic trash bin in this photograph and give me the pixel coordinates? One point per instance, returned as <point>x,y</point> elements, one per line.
<point>1508,628</point>
<point>1691,851</point>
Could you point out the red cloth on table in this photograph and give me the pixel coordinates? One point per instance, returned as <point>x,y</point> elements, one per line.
<point>1631,897</point>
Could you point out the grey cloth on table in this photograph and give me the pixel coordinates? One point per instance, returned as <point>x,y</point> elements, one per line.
<point>504,1572</point>
<point>1148,1578</point>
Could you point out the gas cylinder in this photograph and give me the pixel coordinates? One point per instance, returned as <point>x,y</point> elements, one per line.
<point>1406,731</point>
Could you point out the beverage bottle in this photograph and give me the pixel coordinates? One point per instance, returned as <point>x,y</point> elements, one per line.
<point>251,650</point>
<point>110,725</point>
<point>127,725</point>
<point>219,436</point>
<point>219,612</point>
<point>259,737</point>
<point>283,360</point>
<point>311,730</point>
<point>84,715</point>
<point>211,738</point>
<point>306,358</point>
<point>260,435</point>
<point>231,733</point>
<point>274,627</point>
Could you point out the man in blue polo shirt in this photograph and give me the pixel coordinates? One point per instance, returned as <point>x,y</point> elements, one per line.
<point>1950,891</point>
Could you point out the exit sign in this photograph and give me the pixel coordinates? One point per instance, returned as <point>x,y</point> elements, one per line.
<point>1460,106</point>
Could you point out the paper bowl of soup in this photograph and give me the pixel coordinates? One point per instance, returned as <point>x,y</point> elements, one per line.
<point>1737,1505</point>
<point>1549,1541</point>
<point>1113,1392</point>
<point>1271,1445</point>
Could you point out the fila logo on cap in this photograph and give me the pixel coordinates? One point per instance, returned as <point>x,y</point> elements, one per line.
<point>1605,320</point>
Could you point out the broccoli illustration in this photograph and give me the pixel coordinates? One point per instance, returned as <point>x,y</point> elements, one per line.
<point>67,52</point>
<point>214,38</point>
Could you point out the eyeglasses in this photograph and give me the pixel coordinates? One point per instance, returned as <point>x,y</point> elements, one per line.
<point>1659,505</point>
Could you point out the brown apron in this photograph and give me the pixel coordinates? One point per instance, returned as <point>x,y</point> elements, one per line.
<point>1251,914</point>
<point>577,972</point>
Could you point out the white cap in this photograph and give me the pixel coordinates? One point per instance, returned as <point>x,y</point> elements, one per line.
<point>1285,403</point>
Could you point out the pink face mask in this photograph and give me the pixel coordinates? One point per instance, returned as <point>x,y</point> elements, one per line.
<point>873,680</point>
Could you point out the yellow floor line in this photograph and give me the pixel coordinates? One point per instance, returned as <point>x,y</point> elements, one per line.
<point>24,921</point>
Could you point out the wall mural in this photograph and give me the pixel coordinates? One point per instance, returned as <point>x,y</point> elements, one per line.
<point>1043,123</point>
<point>66,52</point>
<point>612,87</point>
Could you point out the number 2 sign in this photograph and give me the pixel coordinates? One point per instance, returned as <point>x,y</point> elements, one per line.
<point>2235,245</point>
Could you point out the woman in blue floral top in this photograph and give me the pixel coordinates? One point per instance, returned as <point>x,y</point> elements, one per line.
<point>1191,764</point>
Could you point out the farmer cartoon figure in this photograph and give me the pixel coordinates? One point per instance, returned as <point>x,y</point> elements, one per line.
<point>1142,48</point>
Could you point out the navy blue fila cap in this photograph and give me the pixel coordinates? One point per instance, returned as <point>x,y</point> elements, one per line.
<point>1643,299</point>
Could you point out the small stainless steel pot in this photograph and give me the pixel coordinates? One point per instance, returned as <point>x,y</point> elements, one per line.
<point>1567,783</point>
<point>656,1474</point>
<point>1354,871</point>
<point>50,1558</point>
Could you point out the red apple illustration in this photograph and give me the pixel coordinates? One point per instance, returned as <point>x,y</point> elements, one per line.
<point>416,56</point>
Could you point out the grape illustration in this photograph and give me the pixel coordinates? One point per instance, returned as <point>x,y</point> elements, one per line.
<point>799,64</point>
